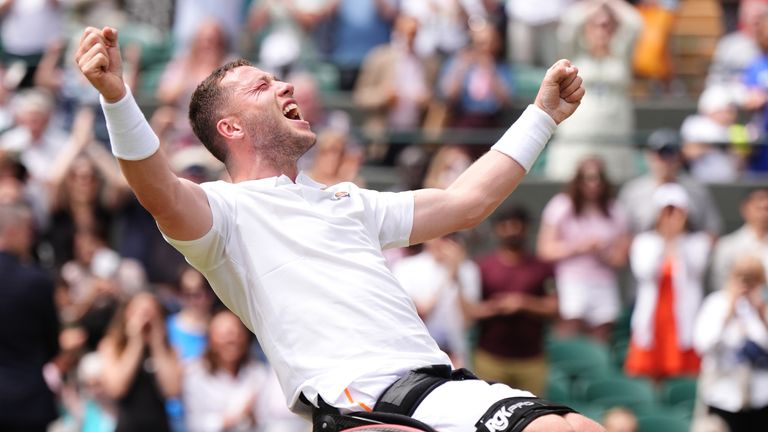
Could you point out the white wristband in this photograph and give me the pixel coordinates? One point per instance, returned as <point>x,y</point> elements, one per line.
<point>526,138</point>
<point>130,136</point>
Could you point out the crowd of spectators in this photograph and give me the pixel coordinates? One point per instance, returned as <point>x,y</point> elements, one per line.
<point>104,326</point>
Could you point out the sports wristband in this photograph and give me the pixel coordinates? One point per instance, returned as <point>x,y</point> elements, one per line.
<point>130,136</point>
<point>526,138</point>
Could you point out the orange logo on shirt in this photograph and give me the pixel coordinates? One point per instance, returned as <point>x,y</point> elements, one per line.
<point>339,195</point>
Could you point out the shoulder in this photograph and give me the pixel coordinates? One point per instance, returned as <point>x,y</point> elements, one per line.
<point>558,207</point>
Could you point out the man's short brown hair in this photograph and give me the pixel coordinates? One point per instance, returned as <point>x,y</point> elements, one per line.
<point>205,108</point>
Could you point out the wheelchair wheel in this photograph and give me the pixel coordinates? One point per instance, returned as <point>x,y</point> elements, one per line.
<point>383,428</point>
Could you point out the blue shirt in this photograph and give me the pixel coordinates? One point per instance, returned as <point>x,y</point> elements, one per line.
<point>756,76</point>
<point>189,345</point>
<point>359,28</point>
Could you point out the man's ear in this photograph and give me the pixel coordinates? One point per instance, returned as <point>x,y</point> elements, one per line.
<point>230,128</point>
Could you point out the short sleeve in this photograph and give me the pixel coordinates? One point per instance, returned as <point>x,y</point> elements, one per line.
<point>556,210</point>
<point>208,251</point>
<point>390,214</point>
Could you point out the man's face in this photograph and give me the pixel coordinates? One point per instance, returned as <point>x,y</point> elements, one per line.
<point>755,210</point>
<point>268,113</point>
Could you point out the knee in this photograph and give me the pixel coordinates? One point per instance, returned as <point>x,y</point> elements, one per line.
<point>579,423</point>
<point>549,423</point>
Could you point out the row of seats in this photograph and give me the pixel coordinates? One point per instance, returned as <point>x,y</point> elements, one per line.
<point>587,376</point>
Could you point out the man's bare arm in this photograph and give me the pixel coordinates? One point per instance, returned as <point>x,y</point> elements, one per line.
<point>180,207</point>
<point>492,178</point>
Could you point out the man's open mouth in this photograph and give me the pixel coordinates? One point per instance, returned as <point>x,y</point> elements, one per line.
<point>291,111</point>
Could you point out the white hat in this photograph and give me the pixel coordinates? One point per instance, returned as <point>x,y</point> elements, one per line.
<point>670,194</point>
<point>716,98</point>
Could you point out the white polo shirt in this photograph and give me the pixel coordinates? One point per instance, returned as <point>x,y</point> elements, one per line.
<point>302,266</point>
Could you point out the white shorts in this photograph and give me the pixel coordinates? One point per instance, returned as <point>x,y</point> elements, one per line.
<point>457,405</point>
<point>595,303</point>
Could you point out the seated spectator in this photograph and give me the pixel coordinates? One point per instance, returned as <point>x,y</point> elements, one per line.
<point>446,166</point>
<point>335,159</point>
<point>515,307</point>
<point>222,387</point>
<point>477,83</point>
<point>668,264</point>
<point>620,420</point>
<point>187,329</point>
<point>751,238</point>
<point>598,36</point>
<point>707,138</point>
<point>584,231</point>
<point>731,335</point>
<point>189,15</point>
<point>88,408</point>
<point>141,369</point>
<point>665,165</point>
<point>394,88</point>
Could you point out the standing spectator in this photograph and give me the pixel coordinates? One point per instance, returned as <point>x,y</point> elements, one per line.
<point>668,264</point>
<point>738,49</point>
<point>208,49</point>
<point>532,30</point>
<point>27,29</point>
<point>29,331</point>
<point>599,36</point>
<point>444,24</point>
<point>286,30</point>
<point>222,390</point>
<point>187,329</point>
<point>756,81</point>
<point>707,137</point>
<point>515,308</point>
<point>85,189</point>
<point>188,15</point>
<point>141,369</point>
<point>361,25</point>
<point>732,336</point>
<point>584,231</point>
<point>36,140</point>
<point>97,279</point>
<point>394,87</point>
<point>651,57</point>
<point>439,280</point>
<point>477,82</point>
<point>665,166</point>
<point>751,238</point>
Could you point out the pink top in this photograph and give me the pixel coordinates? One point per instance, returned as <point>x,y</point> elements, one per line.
<point>572,230</point>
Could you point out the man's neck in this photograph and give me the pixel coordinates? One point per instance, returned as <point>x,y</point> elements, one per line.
<point>511,255</point>
<point>760,231</point>
<point>257,170</point>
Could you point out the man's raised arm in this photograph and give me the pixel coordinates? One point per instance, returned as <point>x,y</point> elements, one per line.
<point>180,207</point>
<point>490,180</point>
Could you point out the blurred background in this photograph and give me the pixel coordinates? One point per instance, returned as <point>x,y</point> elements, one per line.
<point>625,277</point>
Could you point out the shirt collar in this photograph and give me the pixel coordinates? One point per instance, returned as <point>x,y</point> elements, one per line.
<point>282,180</point>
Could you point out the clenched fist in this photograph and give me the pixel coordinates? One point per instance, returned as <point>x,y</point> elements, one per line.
<point>98,58</point>
<point>561,91</point>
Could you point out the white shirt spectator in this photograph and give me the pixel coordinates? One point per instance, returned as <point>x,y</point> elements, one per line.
<point>742,241</point>
<point>727,383</point>
<point>426,280</point>
<point>30,26</point>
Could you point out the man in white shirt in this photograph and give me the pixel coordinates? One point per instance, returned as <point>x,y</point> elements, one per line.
<point>301,263</point>
<point>751,238</point>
